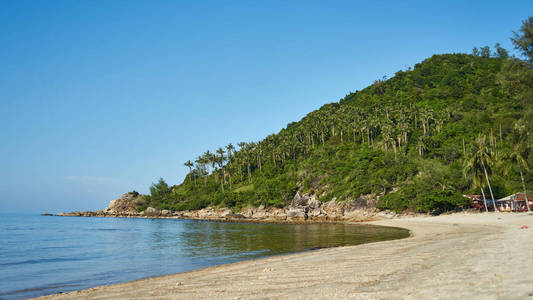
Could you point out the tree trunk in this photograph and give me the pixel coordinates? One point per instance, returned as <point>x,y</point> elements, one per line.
<point>525,193</point>
<point>484,200</point>
<point>249,175</point>
<point>490,189</point>
<point>500,132</point>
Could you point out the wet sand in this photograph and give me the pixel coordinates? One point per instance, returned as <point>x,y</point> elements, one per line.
<point>469,256</point>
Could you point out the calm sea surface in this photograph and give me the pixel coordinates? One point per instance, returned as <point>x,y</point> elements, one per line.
<point>42,255</point>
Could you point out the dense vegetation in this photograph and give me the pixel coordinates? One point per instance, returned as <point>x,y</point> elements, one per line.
<point>417,141</point>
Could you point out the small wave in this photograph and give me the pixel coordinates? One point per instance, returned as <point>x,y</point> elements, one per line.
<point>108,229</point>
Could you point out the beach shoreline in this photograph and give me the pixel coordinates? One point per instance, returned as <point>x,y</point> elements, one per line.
<point>470,255</point>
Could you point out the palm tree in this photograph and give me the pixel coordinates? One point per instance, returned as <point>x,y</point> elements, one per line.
<point>426,115</point>
<point>470,169</point>
<point>189,165</point>
<point>421,146</point>
<point>220,159</point>
<point>247,148</point>
<point>518,161</point>
<point>241,157</point>
<point>230,150</point>
<point>480,160</point>
<point>202,162</point>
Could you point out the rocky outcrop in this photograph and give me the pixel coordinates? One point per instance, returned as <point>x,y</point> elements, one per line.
<point>303,208</point>
<point>129,202</point>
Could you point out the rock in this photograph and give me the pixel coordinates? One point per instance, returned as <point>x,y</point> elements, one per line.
<point>313,203</point>
<point>129,202</point>
<point>316,212</point>
<point>248,212</point>
<point>296,213</point>
<point>226,212</point>
<point>150,211</point>
<point>165,212</point>
<point>261,214</point>
<point>299,200</point>
<point>46,214</point>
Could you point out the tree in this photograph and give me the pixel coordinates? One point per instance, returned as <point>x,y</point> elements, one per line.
<point>501,52</point>
<point>475,51</point>
<point>220,159</point>
<point>518,161</point>
<point>230,150</point>
<point>485,51</point>
<point>159,192</point>
<point>523,39</point>
<point>421,146</point>
<point>479,162</point>
<point>189,165</point>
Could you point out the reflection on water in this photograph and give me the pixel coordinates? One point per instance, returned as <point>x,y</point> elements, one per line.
<point>255,240</point>
<point>44,255</point>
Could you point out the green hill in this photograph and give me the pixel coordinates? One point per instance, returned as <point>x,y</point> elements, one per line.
<point>407,140</point>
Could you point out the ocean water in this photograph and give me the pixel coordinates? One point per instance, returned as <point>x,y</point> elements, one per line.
<point>41,255</point>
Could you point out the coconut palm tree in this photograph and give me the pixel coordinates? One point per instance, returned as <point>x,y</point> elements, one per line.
<point>220,159</point>
<point>480,160</point>
<point>421,146</point>
<point>230,150</point>
<point>475,172</point>
<point>202,162</point>
<point>189,165</point>
<point>517,159</point>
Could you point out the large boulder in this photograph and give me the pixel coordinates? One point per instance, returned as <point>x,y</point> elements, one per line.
<point>296,213</point>
<point>299,200</point>
<point>129,202</point>
<point>152,212</point>
<point>313,203</point>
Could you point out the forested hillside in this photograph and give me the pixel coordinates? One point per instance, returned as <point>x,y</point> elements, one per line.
<point>417,141</point>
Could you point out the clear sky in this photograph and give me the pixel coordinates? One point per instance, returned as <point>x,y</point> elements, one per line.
<point>98,98</point>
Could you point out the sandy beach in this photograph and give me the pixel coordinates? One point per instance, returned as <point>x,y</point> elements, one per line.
<point>458,256</point>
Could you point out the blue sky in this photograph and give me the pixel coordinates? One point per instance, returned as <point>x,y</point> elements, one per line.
<point>98,98</point>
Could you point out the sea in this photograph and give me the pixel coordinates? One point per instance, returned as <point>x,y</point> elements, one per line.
<point>41,255</point>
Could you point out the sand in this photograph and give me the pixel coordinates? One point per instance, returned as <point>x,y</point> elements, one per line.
<point>458,256</point>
